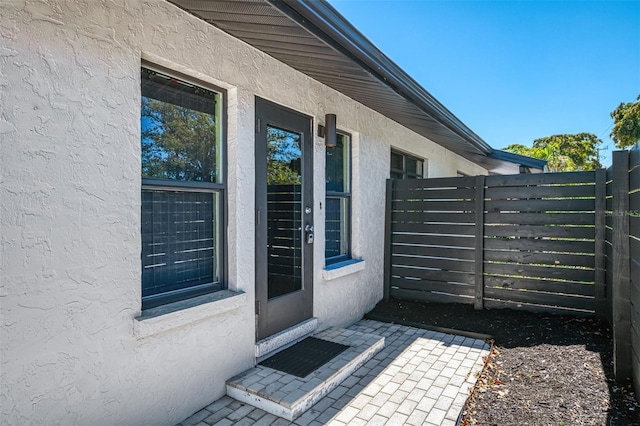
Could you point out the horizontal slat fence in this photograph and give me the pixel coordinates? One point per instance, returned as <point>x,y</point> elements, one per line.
<point>523,241</point>
<point>634,262</point>
<point>540,242</point>
<point>623,263</point>
<point>552,242</point>
<point>433,240</point>
<point>609,242</point>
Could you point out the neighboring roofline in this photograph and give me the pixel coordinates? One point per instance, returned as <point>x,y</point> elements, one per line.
<point>325,22</point>
<point>523,160</point>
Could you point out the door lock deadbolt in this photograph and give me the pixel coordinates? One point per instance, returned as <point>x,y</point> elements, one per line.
<point>309,233</point>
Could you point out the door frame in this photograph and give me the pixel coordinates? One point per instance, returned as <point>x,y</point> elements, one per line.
<point>287,310</point>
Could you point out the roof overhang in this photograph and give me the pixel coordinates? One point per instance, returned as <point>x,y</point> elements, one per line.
<point>312,37</point>
<point>522,160</point>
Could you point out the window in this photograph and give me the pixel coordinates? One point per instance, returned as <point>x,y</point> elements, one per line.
<point>182,189</point>
<point>405,166</point>
<point>338,200</point>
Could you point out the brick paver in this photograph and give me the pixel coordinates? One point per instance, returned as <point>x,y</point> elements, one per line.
<point>420,377</point>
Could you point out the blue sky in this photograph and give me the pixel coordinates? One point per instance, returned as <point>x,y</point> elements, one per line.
<point>513,71</point>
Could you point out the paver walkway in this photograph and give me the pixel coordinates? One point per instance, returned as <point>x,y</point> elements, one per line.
<point>420,377</point>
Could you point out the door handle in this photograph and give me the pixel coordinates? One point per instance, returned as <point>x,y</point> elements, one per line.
<point>308,229</point>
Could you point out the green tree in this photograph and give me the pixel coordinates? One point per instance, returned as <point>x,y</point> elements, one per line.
<point>626,124</point>
<point>520,149</point>
<point>178,143</point>
<point>283,157</point>
<point>564,153</point>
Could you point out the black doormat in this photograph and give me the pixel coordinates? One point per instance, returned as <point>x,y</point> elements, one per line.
<point>304,357</point>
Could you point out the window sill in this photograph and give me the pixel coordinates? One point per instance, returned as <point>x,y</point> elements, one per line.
<point>177,314</point>
<point>341,269</point>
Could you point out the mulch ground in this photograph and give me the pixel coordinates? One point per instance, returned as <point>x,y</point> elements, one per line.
<point>543,369</point>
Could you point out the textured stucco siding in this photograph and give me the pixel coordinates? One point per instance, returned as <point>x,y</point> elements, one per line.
<point>70,210</point>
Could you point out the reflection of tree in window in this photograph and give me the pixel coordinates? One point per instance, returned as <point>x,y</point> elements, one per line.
<point>178,143</point>
<point>283,157</point>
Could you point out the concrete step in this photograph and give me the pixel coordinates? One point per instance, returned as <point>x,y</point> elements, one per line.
<point>288,396</point>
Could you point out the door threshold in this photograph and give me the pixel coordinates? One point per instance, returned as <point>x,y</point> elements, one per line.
<point>285,338</point>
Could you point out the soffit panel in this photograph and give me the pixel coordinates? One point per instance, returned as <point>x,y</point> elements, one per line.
<point>260,24</point>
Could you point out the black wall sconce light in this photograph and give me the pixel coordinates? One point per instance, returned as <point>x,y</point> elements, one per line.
<point>329,131</point>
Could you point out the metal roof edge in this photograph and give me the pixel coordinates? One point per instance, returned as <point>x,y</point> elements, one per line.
<point>523,160</point>
<point>325,22</point>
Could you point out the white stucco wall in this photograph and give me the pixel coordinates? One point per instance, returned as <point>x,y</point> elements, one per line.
<point>71,349</point>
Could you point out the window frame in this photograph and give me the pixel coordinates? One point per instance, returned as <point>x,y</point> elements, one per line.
<point>340,196</point>
<point>403,171</point>
<point>219,188</point>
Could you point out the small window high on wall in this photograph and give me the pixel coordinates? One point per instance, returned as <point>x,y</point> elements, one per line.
<point>338,201</point>
<point>405,166</point>
<point>182,188</point>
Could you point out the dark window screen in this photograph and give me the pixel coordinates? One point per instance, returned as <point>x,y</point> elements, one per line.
<point>337,168</point>
<point>178,240</point>
<point>336,227</point>
<point>173,91</point>
<point>404,166</point>
<point>397,161</point>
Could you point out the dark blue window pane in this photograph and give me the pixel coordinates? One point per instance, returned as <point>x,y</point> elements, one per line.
<point>404,166</point>
<point>397,161</point>
<point>336,227</point>
<point>337,166</point>
<point>337,210</point>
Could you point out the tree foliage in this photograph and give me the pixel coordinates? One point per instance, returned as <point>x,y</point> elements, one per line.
<point>520,149</point>
<point>564,153</point>
<point>283,157</point>
<point>626,124</point>
<point>177,143</point>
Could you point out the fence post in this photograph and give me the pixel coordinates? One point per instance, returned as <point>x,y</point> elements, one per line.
<point>387,239</point>
<point>620,289</point>
<point>479,247</point>
<point>601,234</point>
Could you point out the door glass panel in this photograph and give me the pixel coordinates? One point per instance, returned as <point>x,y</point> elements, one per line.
<point>284,212</point>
